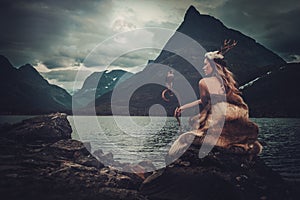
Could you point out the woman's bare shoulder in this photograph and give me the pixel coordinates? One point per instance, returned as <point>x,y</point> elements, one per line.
<point>205,80</point>
<point>202,81</point>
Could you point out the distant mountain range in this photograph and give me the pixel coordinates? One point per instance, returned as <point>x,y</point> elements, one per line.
<point>25,91</point>
<point>268,83</point>
<point>98,84</point>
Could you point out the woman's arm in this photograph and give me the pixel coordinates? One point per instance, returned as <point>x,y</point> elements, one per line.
<point>189,105</point>
<point>203,91</point>
<point>192,104</point>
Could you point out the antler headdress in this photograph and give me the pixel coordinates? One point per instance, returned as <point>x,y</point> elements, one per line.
<point>227,45</point>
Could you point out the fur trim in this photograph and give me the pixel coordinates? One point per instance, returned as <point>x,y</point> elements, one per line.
<point>213,55</point>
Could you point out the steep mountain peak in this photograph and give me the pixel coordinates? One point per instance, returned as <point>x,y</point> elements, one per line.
<point>246,60</point>
<point>29,73</point>
<point>5,65</point>
<point>191,11</point>
<point>29,68</point>
<point>25,91</point>
<point>193,16</point>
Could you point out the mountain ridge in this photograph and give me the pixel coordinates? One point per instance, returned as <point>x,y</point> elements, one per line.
<point>247,60</point>
<point>99,83</point>
<point>275,94</point>
<point>25,91</point>
<point>28,92</point>
<point>243,60</point>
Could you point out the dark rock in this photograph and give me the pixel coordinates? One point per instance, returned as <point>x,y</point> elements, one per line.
<point>223,174</point>
<point>148,165</point>
<point>44,163</point>
<point>142,169</point>
<point>107,159</point>
<point>64,169</point>
<point>75,151</point>
<point>98,153</point>
<point>46,128</point>
<point>88,146</point>
<point>69,148</point>
<point>116,193</point>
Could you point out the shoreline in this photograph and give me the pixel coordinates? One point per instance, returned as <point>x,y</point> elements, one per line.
<point>38,152</point>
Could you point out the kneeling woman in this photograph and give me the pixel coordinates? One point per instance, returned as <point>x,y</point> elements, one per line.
<point>224,119</point>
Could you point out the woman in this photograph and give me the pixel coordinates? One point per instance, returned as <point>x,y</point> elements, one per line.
<point>224,117</point>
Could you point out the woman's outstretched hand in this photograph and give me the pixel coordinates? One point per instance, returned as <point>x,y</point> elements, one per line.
<point>177,112</point>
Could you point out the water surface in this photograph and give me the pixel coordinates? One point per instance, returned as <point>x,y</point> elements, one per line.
<point>280,136</point>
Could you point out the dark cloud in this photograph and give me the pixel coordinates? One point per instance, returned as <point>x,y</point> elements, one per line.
<point>272,23</point>
<point>165,24</point>
<point>132,59</point>
<point>62,75</point>
<point>62,33</point>
<point>68,75</point>
<point>37,30</point>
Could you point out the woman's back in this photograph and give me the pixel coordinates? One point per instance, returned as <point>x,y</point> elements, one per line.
<point>212,85</point>
<point>212,90</point>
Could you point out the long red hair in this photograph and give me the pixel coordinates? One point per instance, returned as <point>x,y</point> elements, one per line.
<point>226,77</point>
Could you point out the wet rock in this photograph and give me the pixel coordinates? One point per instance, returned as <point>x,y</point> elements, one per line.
<point>222,174</point>
<point>46,128</point>
<point>88,146</point>
<point>45,166</point>
<point>45,163</point>
<point>147,165</point>
<point>116,193</point>
<point>73,150</point>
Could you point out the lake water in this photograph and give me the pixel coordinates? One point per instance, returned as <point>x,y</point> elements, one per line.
<point>280,136</point>
<point>149,140</point>
<point>282,149</point>
<point>11,119</point>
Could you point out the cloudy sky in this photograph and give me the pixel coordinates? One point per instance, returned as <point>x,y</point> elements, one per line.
<point>57,37</point>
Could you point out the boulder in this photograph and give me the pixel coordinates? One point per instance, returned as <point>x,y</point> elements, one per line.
<point>222,174</point>
<point>45,128</point>
<point>39,160</point>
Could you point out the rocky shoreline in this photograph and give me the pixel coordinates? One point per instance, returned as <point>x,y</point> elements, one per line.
<point>39,160</point>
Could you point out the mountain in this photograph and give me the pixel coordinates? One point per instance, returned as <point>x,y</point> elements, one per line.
<point>98,84</point>
<point>247,61</point>
<point>275,94</point>
<point>25,91</point>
